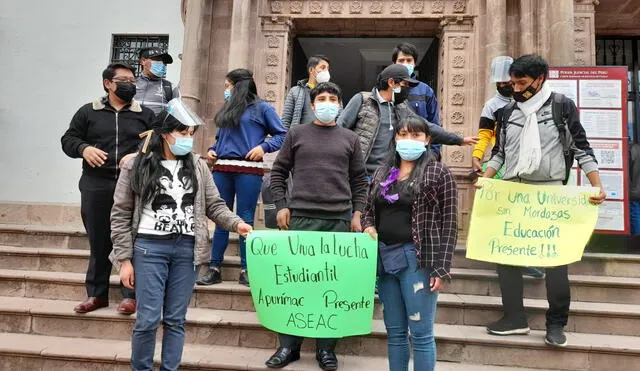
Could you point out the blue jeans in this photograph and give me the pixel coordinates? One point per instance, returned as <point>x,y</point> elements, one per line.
<point>164,277</point>
<point>634,212</point>
<point>247,189</point>
<point>409,306</point>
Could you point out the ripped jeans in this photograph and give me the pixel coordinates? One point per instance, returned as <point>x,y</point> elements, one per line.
<point>164,278</point>
<point>409,308</point>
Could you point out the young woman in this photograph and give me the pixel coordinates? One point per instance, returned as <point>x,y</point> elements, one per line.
<point>412,208</point>
<point>244,122</point>
<point>160,234</point>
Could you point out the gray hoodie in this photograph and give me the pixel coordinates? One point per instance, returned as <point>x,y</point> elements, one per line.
<point>153,92</point>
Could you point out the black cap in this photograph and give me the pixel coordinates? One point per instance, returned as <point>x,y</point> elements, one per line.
<point>397,72</point>
<point>156,53</point>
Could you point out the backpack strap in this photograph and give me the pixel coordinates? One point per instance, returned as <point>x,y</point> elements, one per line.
<point>507,110</point>
<point>561,121</point>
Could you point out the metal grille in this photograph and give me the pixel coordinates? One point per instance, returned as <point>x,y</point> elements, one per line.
<point>615,51</point>
<point>125,48</point>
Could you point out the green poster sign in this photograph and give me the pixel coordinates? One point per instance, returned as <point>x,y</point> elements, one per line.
<point>313,284</point>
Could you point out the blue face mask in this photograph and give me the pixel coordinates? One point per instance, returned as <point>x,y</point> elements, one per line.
<point>410,68</point>
<point>182,146</point>
<point>227,94</point>
<point>158,68</point>
<point>409,149</point>
<point>326,112</point>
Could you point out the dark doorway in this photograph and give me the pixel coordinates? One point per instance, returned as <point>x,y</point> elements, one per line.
<point>356,62</point>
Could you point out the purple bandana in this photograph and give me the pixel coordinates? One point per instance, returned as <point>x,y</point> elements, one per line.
<point>393,176</point>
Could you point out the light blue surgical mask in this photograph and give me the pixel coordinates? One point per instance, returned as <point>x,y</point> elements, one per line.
<point>326,112</point>
<point>158,68</point>
<point>409,149</point>
<point>227,94</point>
<point>410,68</point>
<point>182,146</point>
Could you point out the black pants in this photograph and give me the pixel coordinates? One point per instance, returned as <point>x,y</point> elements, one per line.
<point>299,223</point>
<point>558,293</point>
<point>95,206</point>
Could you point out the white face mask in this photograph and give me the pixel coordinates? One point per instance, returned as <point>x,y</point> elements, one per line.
<point>323,76</point>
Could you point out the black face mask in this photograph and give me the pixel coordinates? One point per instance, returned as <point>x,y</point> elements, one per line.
<point>526,94</point>
<point>125,91</point>
<point>402,96</point>
<point>506,90</point>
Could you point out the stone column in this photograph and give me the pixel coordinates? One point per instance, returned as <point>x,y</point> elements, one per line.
<point>457,87</point>
<point>495,38</point>
<point>195,58</point>
<point>527,34</point>
<point>272,60</point>
<point>239,40</point>
<point>584,32</point>
<point>561,42</point>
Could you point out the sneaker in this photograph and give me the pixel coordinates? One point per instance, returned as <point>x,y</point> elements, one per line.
<point>212,277</point>
<point>533,272</point>
<point>555,337</point>
<point>507,326</point>
<point>244,278</point>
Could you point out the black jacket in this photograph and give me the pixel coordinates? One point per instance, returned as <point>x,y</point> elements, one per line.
<point>98,124</point>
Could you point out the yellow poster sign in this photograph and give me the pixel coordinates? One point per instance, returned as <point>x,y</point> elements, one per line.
<point>530,225</point>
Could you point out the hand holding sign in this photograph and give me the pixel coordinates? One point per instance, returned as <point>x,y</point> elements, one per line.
<point>530,225</point>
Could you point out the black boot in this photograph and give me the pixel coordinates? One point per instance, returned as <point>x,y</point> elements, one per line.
<point>212,277</point>
<point>327,360</point>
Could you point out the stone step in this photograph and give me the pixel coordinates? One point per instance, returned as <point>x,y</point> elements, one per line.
<point>20,235</point>
<point>470,344</point>
<point>586,317</point>
<point>67,237</point>
<point>592,264</point>
<point>46,353</point>
<point>622,290</point>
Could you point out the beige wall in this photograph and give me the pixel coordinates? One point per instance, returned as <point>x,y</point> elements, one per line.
<point>471,33</point>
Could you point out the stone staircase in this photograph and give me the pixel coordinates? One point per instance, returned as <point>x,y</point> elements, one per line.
<point>42,269</point>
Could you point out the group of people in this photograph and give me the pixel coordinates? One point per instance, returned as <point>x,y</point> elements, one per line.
<point>371,167</point>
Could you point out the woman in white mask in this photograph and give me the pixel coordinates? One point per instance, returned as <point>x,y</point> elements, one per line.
<point>412,210</point>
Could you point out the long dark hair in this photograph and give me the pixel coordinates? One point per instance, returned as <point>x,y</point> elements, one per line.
<point>148,169</point>
<point>412,124</point>
<point>244,93</point>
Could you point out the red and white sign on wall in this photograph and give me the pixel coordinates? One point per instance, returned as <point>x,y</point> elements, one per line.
<point>601,96</point>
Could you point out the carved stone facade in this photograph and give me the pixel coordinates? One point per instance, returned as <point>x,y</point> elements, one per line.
<point>468,34</point>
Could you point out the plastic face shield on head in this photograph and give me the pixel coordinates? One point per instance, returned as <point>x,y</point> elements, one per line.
<point>500,69</point>
<point>181,112</point>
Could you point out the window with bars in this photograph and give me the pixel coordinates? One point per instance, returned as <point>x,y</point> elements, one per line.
<point>126,48</point>
<point>617,51</point>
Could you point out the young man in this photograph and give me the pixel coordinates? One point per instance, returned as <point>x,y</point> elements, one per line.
<point>373,116</point>
<point>422,98</point>
<point>531,150</point>
<point>329,193</point>
<point>153,90</point>
<point>489,128</point>
<point>297,105</point>
<point>103,133</point>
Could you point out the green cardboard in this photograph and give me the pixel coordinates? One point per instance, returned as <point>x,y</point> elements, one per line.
<point>313,284</point>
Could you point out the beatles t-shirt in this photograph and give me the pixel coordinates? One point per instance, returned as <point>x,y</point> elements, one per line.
<point>171,210</point>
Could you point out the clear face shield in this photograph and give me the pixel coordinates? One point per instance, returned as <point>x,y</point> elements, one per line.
<point>179,111</point>
<point>500,69</point>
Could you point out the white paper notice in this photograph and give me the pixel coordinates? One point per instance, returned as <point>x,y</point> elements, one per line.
<point>600,94</point>
<point>612,181</point>
<point>573,178</point>
<point>611,216</point>
<point>566,87</point>
<point>602,123</point>
<point>608,153</point>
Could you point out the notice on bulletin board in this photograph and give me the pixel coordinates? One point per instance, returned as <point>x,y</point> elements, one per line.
<point>600,94</point>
